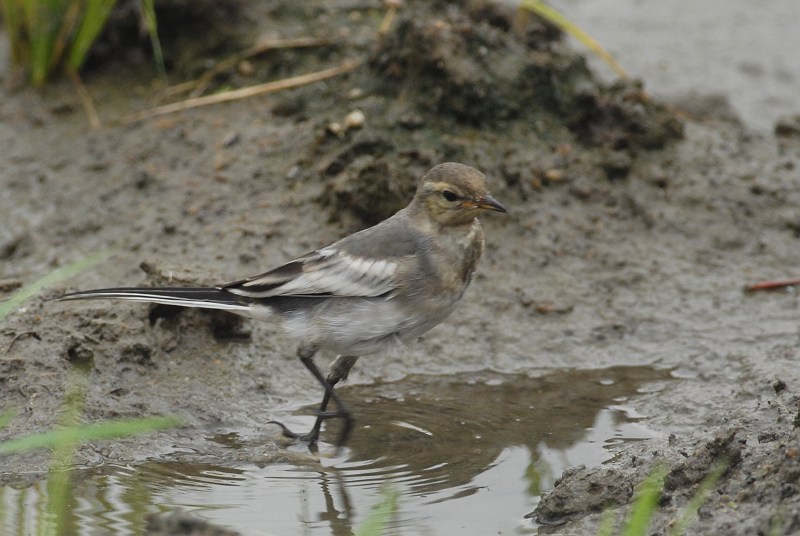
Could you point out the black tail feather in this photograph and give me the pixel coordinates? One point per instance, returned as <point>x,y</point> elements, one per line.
<point>203,297</point>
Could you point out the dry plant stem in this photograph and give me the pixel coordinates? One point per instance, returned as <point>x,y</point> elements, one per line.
<point>68,26</point>
<point>86,100</point>
<point>246,92</point>
<point>197,87</point>
<point>388,19</point>
<point>562,22</point>
<point>772,285</point>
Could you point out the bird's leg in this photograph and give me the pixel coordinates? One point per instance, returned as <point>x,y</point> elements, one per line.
<point>339,370</point>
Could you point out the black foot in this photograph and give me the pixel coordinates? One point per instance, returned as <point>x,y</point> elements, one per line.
<point>310,437</point>
<point>345,364</point>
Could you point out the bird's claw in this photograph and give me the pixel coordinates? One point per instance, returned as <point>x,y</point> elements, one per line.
<point>310,437</point>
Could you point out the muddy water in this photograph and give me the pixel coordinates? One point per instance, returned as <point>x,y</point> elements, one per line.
<point>478,463</point>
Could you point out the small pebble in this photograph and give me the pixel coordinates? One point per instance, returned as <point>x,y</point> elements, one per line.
<point>354,119</point>
<point>246,68</point>
<point>231,139</point>
<point>336,129</point>
<point>554,175</point>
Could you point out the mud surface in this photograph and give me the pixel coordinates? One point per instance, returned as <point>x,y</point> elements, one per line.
<point>633,230</point>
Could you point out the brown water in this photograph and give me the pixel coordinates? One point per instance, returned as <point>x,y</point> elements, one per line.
<point>469,453</point>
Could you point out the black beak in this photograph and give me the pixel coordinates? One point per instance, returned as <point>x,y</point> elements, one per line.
<point>490,203</point>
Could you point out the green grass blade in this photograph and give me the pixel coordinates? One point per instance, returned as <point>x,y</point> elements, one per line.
<point>89,432</point>
<point>149,10</point>
<point>6,417</point>
<point>14,28</point>
<point>4,507</point>
<point>562,22</point>
<point>380,514</point>
<point>94,20</point>
<point>38,45</point>
<point>606,527</point>
<point>54,277</point>
<point>64,33</point>
<point>44,21</point>
<point>645,503</point>
<point>62,460</point>
<point>776,524</point>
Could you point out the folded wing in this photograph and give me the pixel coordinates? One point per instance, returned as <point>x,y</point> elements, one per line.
<point>329,271</point>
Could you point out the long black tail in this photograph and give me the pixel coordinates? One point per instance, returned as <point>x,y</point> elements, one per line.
<point>203,297</point>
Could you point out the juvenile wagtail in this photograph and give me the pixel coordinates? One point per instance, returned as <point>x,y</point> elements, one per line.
<point>373,289</point>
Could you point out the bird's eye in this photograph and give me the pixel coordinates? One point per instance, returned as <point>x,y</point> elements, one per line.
<point>450,196</point>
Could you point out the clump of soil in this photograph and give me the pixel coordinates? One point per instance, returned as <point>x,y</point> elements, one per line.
<point>580,491</point>
<point>748,472</point>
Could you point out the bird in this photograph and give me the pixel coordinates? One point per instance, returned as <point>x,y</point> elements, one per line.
<point>372,290</point>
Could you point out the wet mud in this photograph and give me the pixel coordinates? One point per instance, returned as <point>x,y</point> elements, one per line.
<point>633,230</point>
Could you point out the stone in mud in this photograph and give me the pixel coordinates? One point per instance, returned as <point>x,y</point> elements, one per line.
<point>580,491</point>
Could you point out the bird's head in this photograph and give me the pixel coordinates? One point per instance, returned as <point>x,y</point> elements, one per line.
<point>453,194</point>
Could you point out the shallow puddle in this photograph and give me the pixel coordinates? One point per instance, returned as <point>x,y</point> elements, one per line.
<point>466,454</point>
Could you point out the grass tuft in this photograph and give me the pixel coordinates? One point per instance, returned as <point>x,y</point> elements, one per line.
<point>51,35</point>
